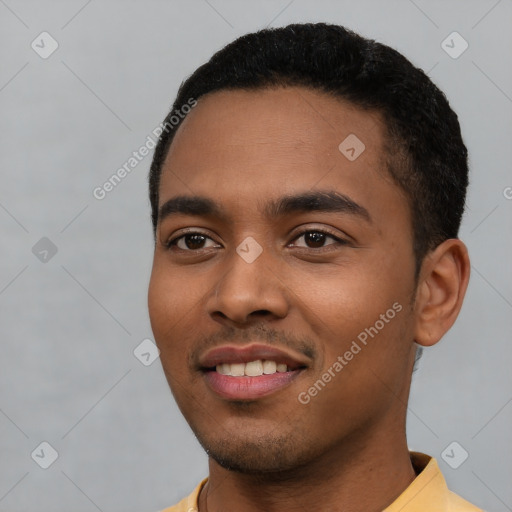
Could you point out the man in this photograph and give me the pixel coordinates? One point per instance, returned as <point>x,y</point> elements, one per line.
<point>306,205</point>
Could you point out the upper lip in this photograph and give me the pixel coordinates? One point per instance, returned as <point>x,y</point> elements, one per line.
<point>236,354</point>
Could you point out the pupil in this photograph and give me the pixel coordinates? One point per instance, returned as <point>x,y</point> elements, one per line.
<point>196,239</point>
<point>315,238</point>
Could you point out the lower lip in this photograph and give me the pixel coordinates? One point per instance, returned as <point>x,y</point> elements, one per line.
<point>248,388</point>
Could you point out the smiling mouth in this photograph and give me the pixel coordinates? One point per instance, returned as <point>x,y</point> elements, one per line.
<point>255,368</point>
<point>250,372</point>
<point>250,381</point>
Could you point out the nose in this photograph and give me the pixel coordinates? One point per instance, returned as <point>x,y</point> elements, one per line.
<point>247,289</point>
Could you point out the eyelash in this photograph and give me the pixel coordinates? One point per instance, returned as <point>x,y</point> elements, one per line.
<point>339,241</point>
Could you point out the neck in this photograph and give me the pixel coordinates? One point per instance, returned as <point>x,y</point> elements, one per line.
<point>360,475</point>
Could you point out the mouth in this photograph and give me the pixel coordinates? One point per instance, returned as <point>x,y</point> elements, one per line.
<point>248,373</point>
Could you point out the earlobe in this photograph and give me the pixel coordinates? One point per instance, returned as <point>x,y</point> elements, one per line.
<point>441,288</point>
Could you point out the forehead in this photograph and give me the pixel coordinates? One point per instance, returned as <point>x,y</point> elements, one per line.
<point>254,144</point>
<point>295,121</point>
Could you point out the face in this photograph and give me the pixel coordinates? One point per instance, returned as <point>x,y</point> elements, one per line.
<point>297,260</point>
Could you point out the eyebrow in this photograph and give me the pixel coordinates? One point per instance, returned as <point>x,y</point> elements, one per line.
<point>328,201</point>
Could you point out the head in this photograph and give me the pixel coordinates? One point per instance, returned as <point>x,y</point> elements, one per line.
<point>340,169</point>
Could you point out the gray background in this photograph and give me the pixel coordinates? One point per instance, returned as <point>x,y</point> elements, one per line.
<point>69,325</point>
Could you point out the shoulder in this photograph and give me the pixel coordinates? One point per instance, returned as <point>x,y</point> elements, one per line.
<point>188,504</point>
<point>459,504</point>
<point>429,491</point>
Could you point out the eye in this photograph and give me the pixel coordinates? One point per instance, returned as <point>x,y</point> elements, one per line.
<point>195,241</point>
<point>191,241</point>
<point>315,238</point>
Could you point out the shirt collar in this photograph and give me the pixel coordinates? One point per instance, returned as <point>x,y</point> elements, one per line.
<point>429,487</point>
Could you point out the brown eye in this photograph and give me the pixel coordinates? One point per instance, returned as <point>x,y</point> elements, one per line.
<point>315,239</point>
<point>190,242</point>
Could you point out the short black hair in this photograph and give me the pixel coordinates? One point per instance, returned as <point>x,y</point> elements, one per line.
<point>425,153</point>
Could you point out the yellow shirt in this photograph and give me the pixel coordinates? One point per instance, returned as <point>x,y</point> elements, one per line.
<point>428,492</point>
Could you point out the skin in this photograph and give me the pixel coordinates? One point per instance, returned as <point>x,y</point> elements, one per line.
<point>241,149</point>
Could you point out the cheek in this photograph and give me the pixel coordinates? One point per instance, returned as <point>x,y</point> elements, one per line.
<point>365,303</point>
<point>349,297</point>
<point>174,299</point>
<point>160,301</point>
<point>171,294</point>
<point>168,306</point>
<point>165,312</point>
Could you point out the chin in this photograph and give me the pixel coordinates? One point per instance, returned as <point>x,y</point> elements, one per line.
<point>268,454</point>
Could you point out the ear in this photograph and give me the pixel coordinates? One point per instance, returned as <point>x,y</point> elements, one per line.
<point>442,284</point>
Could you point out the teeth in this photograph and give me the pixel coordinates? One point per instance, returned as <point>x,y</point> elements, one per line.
<point>224,369</point>
<point>237,370</point>
<point>254,369</point>
<point>269,367</point>
<point>251,369</point>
